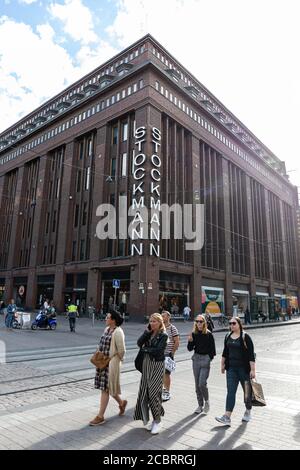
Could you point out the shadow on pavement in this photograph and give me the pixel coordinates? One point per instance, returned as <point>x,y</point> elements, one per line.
<point>219,443</point>
<point>297,426</point>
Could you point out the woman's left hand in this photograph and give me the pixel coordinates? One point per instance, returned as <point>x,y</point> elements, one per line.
<point>252,374</point>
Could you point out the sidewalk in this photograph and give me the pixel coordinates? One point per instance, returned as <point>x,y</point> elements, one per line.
<point>63,423</point>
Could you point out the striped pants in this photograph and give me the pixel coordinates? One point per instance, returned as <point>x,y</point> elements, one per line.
<point>150,391</point>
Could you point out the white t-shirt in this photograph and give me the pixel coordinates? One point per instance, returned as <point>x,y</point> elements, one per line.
<point>186,311</point>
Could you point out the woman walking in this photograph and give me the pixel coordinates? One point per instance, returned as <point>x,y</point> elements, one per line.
<point>112,344</point>
<point>238,359</point>
<point>153,343</point>
<point>202,342</point>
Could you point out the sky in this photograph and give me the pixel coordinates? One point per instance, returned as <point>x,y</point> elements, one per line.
<point>246,52</point>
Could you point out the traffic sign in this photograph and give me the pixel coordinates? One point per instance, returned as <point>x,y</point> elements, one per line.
<point>116,283</point>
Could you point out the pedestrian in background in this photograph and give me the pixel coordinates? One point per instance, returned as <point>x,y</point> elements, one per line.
<point>112,344</point>
<point>10,314</point>
<point>209,322</point>
<point>171,348</point>
<point>238,359</point>
<point>153,343</point>
<point>72,315</point>
<point>202,342</point>
<point>186,313</point>
<point>247,316</point>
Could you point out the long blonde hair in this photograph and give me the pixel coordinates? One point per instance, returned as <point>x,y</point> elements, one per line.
<point>159,318</point>
<point>204,330</point>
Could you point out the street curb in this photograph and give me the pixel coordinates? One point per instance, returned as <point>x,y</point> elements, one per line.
<point>263,325</point>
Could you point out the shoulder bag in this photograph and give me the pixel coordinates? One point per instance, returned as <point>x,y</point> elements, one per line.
<point>138,362</point>
<point>170,365</point>
<point>100,360</point>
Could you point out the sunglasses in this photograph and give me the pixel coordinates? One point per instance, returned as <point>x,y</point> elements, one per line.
<point>232,323</point>
<point>199,321</point>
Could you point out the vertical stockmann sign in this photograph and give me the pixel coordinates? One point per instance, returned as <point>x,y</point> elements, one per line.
<point>139,225</point>
<point>149,219</point>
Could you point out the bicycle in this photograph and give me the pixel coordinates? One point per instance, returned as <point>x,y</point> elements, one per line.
<point>223,320</point>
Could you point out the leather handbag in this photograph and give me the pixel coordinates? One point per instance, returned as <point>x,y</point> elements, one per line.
<point>138,362</point>
<point>100,360</point>
<point>258,398</point>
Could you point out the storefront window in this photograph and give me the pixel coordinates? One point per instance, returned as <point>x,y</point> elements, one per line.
<point>212,300</point>
<point>173,297</point>
<point>240,302</point>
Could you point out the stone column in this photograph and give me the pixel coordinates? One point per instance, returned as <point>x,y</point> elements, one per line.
<point>227,244</point>
<point>65,224</point>
<point>37,229</point>
<point>196,280</point>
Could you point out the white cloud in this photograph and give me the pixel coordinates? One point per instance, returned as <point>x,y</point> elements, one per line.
<point>77,20</point>
<point>34,66</point>
<point>90,58</point>
<point>28,2</point>
<point>32,69</point>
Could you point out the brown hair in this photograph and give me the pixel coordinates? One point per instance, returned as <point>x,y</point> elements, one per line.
<point>239,321</point>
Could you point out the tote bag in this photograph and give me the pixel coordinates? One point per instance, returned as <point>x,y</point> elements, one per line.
<point>258,398</point>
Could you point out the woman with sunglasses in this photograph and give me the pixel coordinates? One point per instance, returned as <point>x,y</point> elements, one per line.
<point>202,342</point>
<point>238,359</point>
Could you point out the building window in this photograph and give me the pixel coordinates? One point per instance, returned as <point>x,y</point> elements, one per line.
<point>73,250</point>
<point>76,216</point>
<point>113,167</point>
<point>84,213</point>
<point>51,260</point>
<point>115,134</point>
<point>88,178</point>
<point>78,183</point>
<point>124,131</point>
<point>90,147</point>
<point>54,221</point>
<point>45,255</point>
<point>47,222</point>
<point>124,165</point>
<point>81,254</point>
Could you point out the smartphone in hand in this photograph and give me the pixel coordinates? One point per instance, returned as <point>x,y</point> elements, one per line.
<point>149,327</point>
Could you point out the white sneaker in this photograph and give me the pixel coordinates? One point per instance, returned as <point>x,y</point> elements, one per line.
<point>247,416</point>
<point>206,407</point>
<point>148,426</point>
<point>198,410</point>
<point>155,428</point>
<point>224,420</point>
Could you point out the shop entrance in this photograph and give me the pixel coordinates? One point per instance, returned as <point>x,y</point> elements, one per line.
<point>115,298</point>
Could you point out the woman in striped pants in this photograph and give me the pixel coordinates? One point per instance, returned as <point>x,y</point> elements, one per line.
<point>153,343</point>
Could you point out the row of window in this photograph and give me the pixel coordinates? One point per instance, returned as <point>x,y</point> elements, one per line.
<point>103,104</point>
<point>179,75</point>
<point>210,128</point>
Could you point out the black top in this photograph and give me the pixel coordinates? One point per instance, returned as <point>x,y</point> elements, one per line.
<point>246,351</point>
<point>153,345</point>
<point>235,352</point>
<point>203,344</point>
